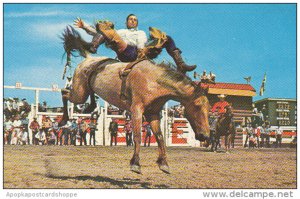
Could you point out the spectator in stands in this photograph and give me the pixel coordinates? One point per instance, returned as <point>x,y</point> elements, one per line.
<point>25,123</point>
<point>204,78</point>
<point>260,118</point>
<point>93,128</point>
<point>24,136</point>
<point>74,130</point>
<point>113,129</point>
<point>148,134</point>
<point>44,106</point>
<point>211,78</point>
<point>262,135</point>
<point>15,106</point>
<point>249,133</point>
<point>267,135</point>
<point>83,131</point>
<point>264,111</point>
<point>41,136</point>
<point>17,125</point>
<point>278,137</point>
<point>128,132</point>
<point>56,129</point>
<point>266,121</point>
<point>66,129</point>
<point>34,126</point>
<point>46,124</point>
<point>51,137</point>
<point>256,134</point>
<point>8,126</point>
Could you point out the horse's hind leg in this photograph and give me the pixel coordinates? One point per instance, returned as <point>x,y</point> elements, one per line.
<point>162,158</point>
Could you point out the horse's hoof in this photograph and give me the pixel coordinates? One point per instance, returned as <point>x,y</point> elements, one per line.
<point>164,168</point>
<point>136,169</point>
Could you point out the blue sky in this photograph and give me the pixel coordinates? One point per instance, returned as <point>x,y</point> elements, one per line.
<point>232,40</point>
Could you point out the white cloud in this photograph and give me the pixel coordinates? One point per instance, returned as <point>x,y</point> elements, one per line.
<point>52,31</point>
<point>37,14</point>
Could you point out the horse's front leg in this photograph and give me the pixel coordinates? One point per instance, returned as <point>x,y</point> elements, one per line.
<point>137,115</point>
<point>162,158</point>
<point>92,105</point>
<point>77,95</point>
<point>65,98</point>
<point>227,143</point>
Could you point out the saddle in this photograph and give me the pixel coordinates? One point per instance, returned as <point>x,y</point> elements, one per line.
<point>123,75</point>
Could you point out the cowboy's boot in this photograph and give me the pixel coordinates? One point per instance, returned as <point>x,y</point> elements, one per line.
<point>181,65</point>
<point>97,40</point>
<point>112,36</point>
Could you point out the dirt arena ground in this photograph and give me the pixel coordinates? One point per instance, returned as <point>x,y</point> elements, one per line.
<point>108,167</point>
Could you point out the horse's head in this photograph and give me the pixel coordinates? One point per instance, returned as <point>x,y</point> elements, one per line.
<point>196,111</point>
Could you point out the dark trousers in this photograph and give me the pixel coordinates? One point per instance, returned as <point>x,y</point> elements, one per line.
<point>73,137</point>
<point>147,136</point>
<point>262,142</point>
<point>9,137</point>
<point>246,141</point>
<point>257,140</point>
<point>92,135</point>
<point>278,141</point>
<point>82,137</point>
<point>129,139</point>
<point>66,135</point>
<point>113,135</point>
<point>33,139</point>
<point>131,52</point>
<point>61,136</point>
<point>267,140</point>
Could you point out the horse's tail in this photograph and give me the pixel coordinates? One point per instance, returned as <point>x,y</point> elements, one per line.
<point>73,42</point>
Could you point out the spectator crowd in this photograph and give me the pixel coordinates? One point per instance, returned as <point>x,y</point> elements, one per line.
<point>259,132</point>
<point>48,132</point>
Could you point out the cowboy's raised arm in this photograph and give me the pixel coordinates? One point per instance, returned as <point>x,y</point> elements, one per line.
<point>79,23</point>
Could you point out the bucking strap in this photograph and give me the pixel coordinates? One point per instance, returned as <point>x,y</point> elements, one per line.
<point>123,75</point>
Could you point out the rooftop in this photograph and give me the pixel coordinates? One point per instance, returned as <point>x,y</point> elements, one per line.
<point>229,89</point>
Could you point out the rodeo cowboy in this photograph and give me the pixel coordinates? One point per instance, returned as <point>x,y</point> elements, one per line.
<point>131,44</point>
<point>220,106</point>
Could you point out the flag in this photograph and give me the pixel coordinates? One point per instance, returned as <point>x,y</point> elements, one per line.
<point>263,85</point>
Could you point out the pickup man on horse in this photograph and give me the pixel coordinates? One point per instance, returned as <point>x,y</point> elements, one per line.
<point>220,106</point>
<point>131,44</point>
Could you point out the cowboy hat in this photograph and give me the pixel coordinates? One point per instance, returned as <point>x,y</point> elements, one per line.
<point>221,96</point>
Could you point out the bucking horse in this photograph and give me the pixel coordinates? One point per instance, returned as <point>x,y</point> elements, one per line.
<point>148,87</point>
<point>224,127</point>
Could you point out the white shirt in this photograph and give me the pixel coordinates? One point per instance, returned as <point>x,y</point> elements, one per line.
<point>133,37</point>
<point>24,136</point>
<point>8,125</point>
<point>17,123</point>
<point>279,131</point>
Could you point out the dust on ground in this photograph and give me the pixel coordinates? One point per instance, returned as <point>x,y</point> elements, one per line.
<point>108,167</point>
